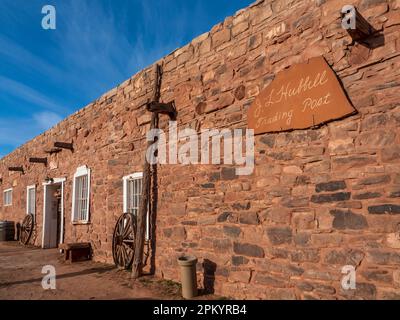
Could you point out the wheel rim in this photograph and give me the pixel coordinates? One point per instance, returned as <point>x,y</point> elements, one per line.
<point>124,240</point>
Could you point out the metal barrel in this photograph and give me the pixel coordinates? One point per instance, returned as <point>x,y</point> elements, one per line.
<point>7,230</point>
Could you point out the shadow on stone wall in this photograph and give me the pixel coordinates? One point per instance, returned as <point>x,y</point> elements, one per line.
<point>209,276</point>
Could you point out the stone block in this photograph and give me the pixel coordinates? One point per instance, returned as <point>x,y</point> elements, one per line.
<point>247,249</point>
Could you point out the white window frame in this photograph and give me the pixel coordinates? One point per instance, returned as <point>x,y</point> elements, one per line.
<point>126,179</point>
<point>4,197</point>
<point>29,188</point>
<point>80,172</point>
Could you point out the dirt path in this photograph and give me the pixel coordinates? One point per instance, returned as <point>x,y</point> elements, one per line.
<point>21,277</point>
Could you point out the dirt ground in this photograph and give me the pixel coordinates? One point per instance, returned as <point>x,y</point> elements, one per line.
<point>21,277</point>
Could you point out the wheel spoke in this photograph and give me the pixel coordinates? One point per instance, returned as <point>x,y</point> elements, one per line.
<point>127,224</point>
<point>119,256</point>
<point>125,256</point>
<point>117,253</point>
<point>127,231</point>
<point>120,227</point>
<point>122,256</point>
<point>130,253</point>
<point>126,246</point>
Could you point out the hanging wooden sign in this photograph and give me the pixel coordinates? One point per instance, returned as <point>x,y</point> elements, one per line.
<point>304,96</point>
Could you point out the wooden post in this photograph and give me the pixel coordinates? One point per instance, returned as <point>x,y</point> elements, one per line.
<point>137,266</point>
<point>363,29</point>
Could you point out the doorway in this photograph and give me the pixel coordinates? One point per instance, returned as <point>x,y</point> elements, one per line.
<point>53,213</point>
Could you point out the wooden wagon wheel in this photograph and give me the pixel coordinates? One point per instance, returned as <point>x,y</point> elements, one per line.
<point>123,245</point>
<point>26,229</point>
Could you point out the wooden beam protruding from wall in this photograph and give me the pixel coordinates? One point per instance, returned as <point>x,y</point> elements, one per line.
<point>164,108</point>
<point>357,26</point>
<point>38,160</point>
<point>64,145</point>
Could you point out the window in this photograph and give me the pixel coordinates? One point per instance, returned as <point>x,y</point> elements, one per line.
<point>80,195</point>
<point>132,195</point>
<point>31,200</point>
<point>7,197</point>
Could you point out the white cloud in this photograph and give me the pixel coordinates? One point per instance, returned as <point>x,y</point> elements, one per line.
<point>101,46</point>
<point>21,91</point>
<point>20,57</point>
<point>92,51</point>
<point>46,120</point>
<point>16,131</point>
<point>90,43</point>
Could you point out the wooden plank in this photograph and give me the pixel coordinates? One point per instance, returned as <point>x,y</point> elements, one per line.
<point>38,160</point>
<point>306,95</point>
<point>137,267</point>
<point>64,145</point>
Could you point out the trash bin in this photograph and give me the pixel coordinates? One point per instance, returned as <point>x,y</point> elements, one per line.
<point>188,276</point>
<point>7,230</point>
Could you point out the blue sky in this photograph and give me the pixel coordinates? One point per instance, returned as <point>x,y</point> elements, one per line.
<point>45,75</point>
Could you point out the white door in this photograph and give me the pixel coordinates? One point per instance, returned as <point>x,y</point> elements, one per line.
<point>50,216</point>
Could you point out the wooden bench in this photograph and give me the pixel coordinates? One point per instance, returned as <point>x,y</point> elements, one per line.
<point>76,251</point>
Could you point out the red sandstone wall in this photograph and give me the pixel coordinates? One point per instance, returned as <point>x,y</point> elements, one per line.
<point>316,199</point>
